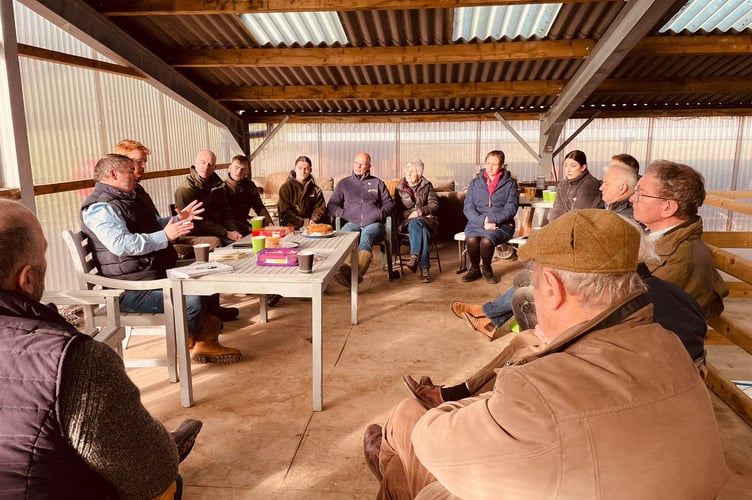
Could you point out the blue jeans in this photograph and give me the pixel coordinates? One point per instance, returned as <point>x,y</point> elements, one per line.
<point>419,234</point>
<point>370,235</point>
<point>151,301</point>
<point>500,309</point>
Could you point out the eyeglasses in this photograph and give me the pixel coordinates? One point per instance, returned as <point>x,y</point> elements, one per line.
<point>639,194</point>
<point>359,164</point>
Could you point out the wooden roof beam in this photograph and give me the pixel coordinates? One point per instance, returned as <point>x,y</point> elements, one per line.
<point>383,56</point>
<point>366,92</point>
<point>451,54</point>
<point>425,117</point>
<point>206,7</point>
<point>80,62</point>
<point>470,90</point>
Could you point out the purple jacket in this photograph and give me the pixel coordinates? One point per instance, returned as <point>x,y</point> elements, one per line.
<point>361,201</point>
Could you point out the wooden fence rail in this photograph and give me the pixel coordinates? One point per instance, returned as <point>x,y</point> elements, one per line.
<point>733,326</point>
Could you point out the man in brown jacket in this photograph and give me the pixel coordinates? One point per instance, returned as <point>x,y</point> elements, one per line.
<point>597,402</point>
<point>666,201</point>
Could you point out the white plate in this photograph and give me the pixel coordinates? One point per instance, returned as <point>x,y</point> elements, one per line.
<point>289,244</point>
<point>318,235</point>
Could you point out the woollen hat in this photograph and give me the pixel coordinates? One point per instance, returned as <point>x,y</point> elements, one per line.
<point>585,241</point>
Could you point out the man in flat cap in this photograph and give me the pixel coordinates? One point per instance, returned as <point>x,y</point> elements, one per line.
<point>596,402</point>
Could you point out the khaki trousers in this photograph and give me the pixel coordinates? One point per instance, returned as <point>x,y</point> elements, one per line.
<point>404,475</point>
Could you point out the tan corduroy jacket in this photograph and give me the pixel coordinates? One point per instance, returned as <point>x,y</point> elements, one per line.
<point>610,411</point>
<point>686,262</point>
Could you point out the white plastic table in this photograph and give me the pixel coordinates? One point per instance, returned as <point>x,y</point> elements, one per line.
<point>250,278</point>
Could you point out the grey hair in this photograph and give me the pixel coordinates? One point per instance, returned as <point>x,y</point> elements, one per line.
<point>417,163</point>
<point>628,175</point>
<point>600,288</point>
<point>110,163</point>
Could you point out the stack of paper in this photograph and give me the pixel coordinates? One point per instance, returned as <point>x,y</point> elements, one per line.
<point>198,269</point>
<point>228,253</point>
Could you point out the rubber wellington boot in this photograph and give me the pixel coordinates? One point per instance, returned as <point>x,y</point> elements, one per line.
<point>364,262</point>
<point>207,348</point>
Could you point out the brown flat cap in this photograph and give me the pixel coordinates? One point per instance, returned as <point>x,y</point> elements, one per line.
<point>585,241</point>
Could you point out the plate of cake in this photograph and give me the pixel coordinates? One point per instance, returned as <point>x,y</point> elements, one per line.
<point>318,231</point>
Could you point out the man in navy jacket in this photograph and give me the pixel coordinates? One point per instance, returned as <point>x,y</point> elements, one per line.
<point>364,202</point>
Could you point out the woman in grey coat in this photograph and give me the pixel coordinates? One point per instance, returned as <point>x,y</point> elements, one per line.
<point>416,206</point>
<point>579,189</point>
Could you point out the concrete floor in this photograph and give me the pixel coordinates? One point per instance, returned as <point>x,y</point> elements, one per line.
<point>261,440</point>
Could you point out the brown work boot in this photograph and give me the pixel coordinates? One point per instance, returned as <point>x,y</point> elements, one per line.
<point>343,276</point>
<point>428,394</point>
<point>458,308</point>
<point>364,262</point>
<point>482,325</point>
<point>207,348</point>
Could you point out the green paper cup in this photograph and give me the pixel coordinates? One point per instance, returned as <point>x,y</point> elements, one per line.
<point>257,223</point>
<point>259,242</point>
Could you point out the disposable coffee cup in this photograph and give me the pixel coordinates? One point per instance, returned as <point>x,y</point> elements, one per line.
<point>259,242</point>
<point>305,261</point>
<point>552,196</point>
<point>257,222</point>
<point>201,251</point>
<point>546,195</point>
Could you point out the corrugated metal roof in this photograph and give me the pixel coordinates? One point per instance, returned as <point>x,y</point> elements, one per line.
<point>466,28</point>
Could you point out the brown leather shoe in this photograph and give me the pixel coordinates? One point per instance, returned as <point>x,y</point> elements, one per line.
<point>428,394</point>
<point>458,308</point>
<point>371,449</point>
<point>482,325</point>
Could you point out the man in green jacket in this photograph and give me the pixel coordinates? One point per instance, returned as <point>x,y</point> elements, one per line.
<point>666,201</point>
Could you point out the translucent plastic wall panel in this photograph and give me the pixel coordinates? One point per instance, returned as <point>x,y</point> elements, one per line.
<point>604,138</point>
<point>341,142</point>
<point>448,150</point>
<point>519,161</point>
<point>57,212</point>
<point>131,110</point>
<point>742,222</point>
<point>34,30</point>
<point>62,119</point>
<point>708,145</point>
<point>187,135</point>
<point>292,140</point>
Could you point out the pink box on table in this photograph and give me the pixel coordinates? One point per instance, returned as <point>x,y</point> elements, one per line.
<point>278,257</point>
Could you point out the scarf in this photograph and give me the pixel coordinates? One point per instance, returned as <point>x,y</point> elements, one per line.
<point>492,185</point>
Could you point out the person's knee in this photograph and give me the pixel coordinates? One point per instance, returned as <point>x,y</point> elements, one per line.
<point>399,426</point>
<point>523,278</point>
<point>194,305</point>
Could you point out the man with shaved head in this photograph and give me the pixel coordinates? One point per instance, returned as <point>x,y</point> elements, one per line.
<point>71,422</point>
